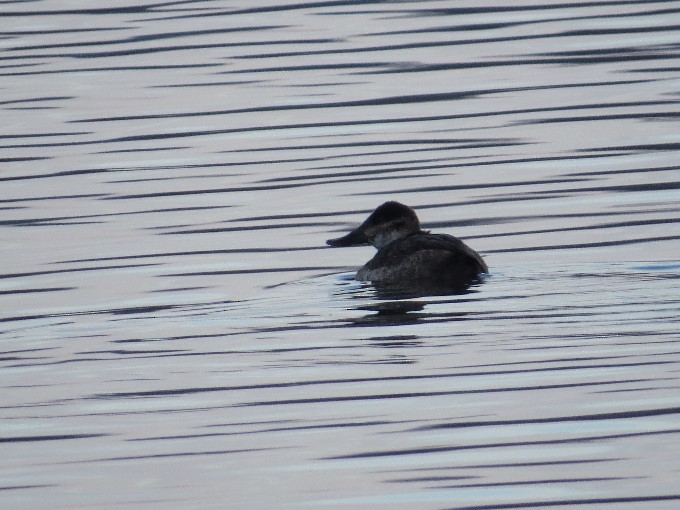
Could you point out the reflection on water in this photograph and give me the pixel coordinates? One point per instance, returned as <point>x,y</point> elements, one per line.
<point>175,333</point>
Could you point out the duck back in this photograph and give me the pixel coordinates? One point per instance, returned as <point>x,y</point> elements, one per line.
<point>435,259</point>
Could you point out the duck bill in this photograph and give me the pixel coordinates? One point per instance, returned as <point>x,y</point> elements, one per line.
<point>354,238</point>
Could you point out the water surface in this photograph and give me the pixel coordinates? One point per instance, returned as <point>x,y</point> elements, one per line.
<point>174,332</point>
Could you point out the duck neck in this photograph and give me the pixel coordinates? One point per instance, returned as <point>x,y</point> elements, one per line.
<point>386,237</point>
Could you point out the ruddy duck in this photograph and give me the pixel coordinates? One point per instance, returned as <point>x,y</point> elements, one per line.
<point>408,255</point>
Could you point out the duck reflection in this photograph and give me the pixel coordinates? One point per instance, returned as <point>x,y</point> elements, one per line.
<point>391,313</point>
<point>399,307</point>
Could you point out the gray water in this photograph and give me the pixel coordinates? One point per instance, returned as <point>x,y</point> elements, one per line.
<point>174,333</point>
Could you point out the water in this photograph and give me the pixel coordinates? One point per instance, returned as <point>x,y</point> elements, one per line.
<point>175,333</point>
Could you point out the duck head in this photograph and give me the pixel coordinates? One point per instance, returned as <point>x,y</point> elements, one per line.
<point>389,222</point>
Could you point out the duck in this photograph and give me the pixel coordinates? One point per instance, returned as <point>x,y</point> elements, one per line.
<point>408,255</point>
